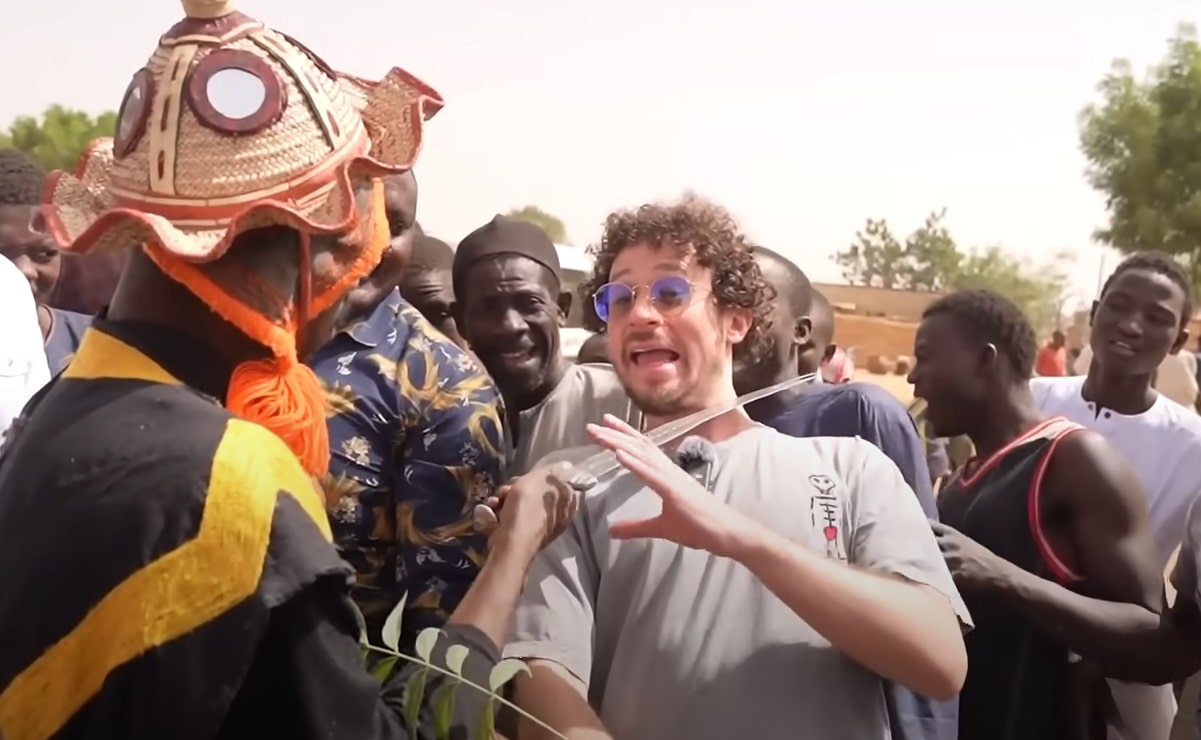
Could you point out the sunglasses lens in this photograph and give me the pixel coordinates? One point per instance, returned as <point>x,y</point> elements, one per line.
<point>670,292</point>
<point>612,299</point>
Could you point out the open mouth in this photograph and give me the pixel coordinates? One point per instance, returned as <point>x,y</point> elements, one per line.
<point>1121,348</point>
<point>653,357</point>
<point>518,357</point>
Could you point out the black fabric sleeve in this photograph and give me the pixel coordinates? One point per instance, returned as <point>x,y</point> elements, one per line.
<point>309,680</point>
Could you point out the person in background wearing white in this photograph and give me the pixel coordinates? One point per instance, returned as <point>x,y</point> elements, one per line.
<point>23,366</point>
<point>1140,320</point>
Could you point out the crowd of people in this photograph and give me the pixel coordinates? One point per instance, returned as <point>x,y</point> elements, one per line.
<point>272,403</point>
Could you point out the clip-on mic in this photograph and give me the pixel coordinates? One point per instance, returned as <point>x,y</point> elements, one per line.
<point>696,456</point>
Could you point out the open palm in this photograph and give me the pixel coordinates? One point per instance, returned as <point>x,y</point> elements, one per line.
<point>691,516</point>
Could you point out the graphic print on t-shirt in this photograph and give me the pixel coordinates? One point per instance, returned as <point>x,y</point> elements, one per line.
<point>825,511</point>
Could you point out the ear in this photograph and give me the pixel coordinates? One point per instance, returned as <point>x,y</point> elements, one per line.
<point>1181,340</point>
<point>1092,312</point>
<point>802,332</point>
<point>989,355</point>
<point>564,306</point>
<point>740,320</point>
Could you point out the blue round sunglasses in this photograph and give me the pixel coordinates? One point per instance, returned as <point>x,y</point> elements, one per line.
<point>668,293</point>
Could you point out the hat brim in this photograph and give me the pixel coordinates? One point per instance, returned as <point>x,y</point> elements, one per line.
<point>84,213</point>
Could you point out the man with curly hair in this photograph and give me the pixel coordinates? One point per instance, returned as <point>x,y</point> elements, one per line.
<point>1045,512</point>
<point>36,255</point>
<point>764,584</point>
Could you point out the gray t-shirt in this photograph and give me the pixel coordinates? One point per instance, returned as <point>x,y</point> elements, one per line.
<point>678,644</point>
<point>584,395</point>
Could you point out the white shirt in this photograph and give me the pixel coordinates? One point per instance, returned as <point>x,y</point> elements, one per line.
<point>1163,447</point>
<point>1176,376</point>
<point>23,367</point>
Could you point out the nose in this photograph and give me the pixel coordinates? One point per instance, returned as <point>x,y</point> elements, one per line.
<point>643,310</point>
<point>511,323</point>
<point>1130,326</point>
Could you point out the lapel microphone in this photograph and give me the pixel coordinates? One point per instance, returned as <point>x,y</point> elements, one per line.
<point>696,456</point>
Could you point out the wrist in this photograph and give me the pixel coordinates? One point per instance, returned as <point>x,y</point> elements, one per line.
<point>516,547</point>
<point>1004,577</point>
<point>751,543</point>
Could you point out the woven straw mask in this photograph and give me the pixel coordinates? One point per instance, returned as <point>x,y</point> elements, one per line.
<point>229,127</point>
<point>232,126</point>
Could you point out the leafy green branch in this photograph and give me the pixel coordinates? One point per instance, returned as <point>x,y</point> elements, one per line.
<point>442,701</point>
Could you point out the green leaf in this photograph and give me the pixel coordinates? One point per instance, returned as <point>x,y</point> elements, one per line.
<point>486,728</point>
<point>426,640</point>
<point>443,705</point>
<point>504,672</point>
<point>455,655</point>
<point>414,695</point>
<point>391,632</point>
<point>383,669</point>
<point>361,622</point>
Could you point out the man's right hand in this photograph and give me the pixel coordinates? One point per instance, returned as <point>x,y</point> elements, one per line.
<point>534,508</point>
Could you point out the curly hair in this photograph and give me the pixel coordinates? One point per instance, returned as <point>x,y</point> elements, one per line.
<point>1159,263</point>
<point>707,231</point>
<point>993,318</point>
<point>21,179</point>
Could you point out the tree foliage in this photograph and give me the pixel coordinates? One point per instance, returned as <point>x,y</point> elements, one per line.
<point>929,259</point>
<point>1142,142</point>
<point>552,225</point>
<point>59,138</point>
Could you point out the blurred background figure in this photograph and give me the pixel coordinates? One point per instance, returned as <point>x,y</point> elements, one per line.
<point>35,255</point>
<point>426,284</point>
<point>595,349</point>
<point>1052,360</point>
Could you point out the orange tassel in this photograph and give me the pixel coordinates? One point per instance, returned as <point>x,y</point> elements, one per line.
<point>286,398</point>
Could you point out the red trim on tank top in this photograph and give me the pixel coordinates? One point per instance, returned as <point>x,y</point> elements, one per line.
<point>966,479</point>
<point>1054,563</point>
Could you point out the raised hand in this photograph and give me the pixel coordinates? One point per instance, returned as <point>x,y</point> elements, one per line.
<point>691,516</point>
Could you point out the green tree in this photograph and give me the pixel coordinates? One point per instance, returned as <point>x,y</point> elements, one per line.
<point>1142,142</point>
<point>1037,288</point>
<point>874,258</point>
<point>552,225</point>
<point>926,259</point>
<point>59,138</point>
<point>930,260</point>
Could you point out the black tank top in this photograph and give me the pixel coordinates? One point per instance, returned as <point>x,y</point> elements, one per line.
<point>1017,682</point>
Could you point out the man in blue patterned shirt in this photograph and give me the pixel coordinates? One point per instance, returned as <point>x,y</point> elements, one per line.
<point>415,436</point>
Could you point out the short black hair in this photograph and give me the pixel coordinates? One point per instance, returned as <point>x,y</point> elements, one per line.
<point>430,254</point>
<point>1160,263</point>
<point>21,179</point>
<point>995,319</point>
<point>797,289</point>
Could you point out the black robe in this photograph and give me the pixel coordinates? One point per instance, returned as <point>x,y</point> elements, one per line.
<point>166,569</point>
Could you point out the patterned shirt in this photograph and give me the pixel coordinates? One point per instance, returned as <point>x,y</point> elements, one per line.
<point>416,439</point>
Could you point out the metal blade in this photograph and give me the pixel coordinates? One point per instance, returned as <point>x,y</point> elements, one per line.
<point>605,462</point>
<point>589,471</point>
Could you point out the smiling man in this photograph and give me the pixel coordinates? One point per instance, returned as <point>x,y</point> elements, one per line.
<point>777,588</point>
<point>36,255</point>
<point>1140,318</point>
<point>510,307</point>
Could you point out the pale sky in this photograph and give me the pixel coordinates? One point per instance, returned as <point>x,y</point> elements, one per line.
<point>803,117</point>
